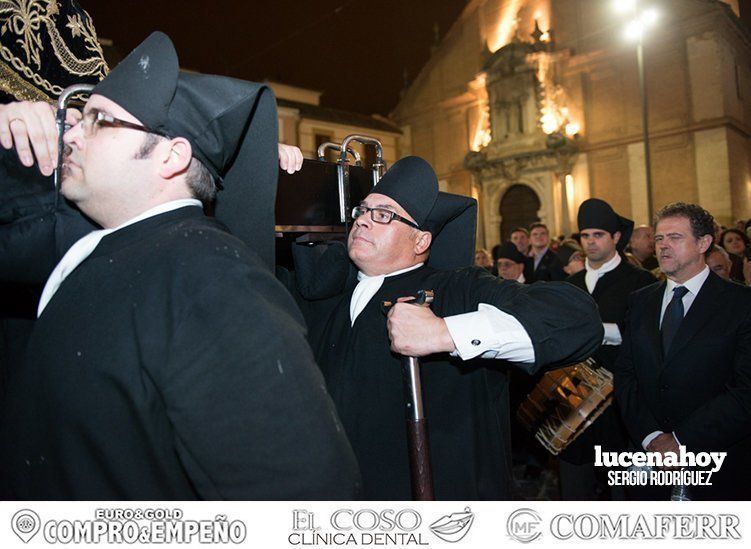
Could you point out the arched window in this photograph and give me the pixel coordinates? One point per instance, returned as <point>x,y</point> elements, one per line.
<point>518,208</point>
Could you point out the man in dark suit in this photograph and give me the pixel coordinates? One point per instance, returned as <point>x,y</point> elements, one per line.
<point>545,263</point>
<point>609,279</point>
<point>684,373</point>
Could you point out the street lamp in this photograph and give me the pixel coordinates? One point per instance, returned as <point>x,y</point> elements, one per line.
<point>641,18</point>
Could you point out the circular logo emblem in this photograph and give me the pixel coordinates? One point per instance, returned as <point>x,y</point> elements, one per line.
<point>523,525</point>
<point>25,523</point>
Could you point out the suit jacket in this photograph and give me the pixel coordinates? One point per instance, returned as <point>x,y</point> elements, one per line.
<point>701,390</point>
<point>549,268</point>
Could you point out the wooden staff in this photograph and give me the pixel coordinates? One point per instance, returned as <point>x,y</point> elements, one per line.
<point>417,424</point>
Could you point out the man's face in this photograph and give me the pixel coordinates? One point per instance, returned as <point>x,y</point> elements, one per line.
<point>381,249</point>
<point>599,245</point>
<point>508,269</point>
<point>539,237</point>
<point>679,253</point>
<point>719,264</point>
<point>521,241</point>
<point>100,170</point>
<point>643,242</point>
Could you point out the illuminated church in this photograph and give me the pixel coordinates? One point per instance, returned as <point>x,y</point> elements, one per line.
<point>533,106</point>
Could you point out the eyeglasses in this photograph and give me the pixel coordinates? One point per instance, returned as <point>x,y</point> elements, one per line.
<point>94,119</point>
<point>381,215</point>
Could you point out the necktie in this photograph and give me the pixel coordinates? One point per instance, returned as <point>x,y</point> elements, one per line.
<point>673,317</point>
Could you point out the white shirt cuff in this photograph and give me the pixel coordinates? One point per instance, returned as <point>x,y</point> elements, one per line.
<point>649,438</point>
<point>490,333</point>
<point>612,334</point>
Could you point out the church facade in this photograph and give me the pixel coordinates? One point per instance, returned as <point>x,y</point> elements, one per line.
<point>533,106</point>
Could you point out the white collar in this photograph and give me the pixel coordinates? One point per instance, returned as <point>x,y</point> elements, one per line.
<point>84,247</point>
<point>693,284</point>
<point>521,279</point>
<point>367,287</point>
<point>362,276</point>
<point>591,276</point>
<point>159,209</point>
<point>606,267</point>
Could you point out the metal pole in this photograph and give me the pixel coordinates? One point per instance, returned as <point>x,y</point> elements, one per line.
<point>645,126</point>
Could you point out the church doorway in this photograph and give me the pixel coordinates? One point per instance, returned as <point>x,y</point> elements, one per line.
<point>519,207</point>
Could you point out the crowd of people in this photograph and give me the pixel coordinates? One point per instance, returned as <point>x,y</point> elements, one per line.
<point>618,265</point>
<point>729,257</point>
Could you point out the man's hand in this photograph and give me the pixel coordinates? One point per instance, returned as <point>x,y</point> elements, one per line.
<point>290,158</point>
<point>415,331</point>
<point>31,127</point>
<point>664,443</point>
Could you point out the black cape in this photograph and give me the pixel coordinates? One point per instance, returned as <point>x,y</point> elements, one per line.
<point>611,294</point>
<point>466,402</point>
<point>35,233</point>
<point>171,364</point>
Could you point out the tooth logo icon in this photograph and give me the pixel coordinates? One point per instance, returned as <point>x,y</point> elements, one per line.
<point>25,524</point>
<point>453,527</point>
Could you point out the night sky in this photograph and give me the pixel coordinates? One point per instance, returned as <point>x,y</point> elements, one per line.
<point>355,51</point>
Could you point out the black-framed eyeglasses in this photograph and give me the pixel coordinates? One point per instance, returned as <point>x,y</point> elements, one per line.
<point>94,119</point>
<point>381,215</point>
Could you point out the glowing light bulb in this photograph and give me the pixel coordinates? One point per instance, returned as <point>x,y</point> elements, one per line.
<point>549,123</point>
<point>572,128</point>
<point>634,30</point>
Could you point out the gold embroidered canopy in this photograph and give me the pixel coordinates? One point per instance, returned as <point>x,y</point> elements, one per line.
<point>45,46</point>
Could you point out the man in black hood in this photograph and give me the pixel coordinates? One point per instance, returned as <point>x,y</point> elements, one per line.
<point>407,236</point>
<point>609,279</point>
<point>148,375</point>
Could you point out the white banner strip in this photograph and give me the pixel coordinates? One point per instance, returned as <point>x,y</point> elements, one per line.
<point>319,525</point>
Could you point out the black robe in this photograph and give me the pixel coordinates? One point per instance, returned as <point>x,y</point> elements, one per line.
<point>466,402</point>
<point>611,294</point>
<point>35,233</point>
<point>170,364</point>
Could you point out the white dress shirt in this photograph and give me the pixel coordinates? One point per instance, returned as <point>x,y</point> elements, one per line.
<point>84,247</point>
<point>487,332</point>
<point>612,332</point>
<point>693,285</point>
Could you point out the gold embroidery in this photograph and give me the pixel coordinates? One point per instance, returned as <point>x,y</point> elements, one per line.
<point>28,19</point>
<point>12,84</point>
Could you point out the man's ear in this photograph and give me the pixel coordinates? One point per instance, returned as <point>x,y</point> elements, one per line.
<point>705,242</point>
<point>422,242</point>
<point>616,237</point>
<point>174,157</point>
